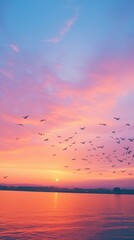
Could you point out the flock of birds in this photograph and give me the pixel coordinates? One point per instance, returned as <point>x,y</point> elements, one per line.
<point>107,153</point>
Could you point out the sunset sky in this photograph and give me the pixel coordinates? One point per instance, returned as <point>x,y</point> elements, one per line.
<point>67,92</point>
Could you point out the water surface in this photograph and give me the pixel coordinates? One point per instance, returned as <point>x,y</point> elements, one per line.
<point>66,216</point>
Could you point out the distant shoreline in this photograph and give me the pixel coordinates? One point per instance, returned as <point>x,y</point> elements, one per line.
<point>115,190</point>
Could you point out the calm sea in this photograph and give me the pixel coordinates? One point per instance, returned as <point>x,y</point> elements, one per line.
<point>68,216</point>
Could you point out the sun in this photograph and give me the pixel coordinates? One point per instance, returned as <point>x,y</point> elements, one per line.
<point>56,179</point>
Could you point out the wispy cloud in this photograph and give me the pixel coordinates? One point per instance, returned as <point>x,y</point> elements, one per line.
<point>66,28</point>
<point>15,48</point>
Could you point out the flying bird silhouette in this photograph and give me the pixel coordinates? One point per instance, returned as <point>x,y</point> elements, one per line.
<point>41,134</point>
<point>25,117</point>
<point>64,148</point>
<point>82,128</point>
<point>126,148</point>
<point>131,139</point>
<point>83,142</point>
<point>42,120</point>
<point>117,118</point>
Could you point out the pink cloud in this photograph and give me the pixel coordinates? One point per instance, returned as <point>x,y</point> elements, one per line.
<point>61,101</point>
<point>65,105</point>
<point>6,73</point>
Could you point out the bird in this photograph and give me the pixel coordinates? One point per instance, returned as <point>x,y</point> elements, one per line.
<point>131,139</point>
<point>119,160</point>
<point>71,137</point>
<point>126,148</point>
<point>129,152</point>
<point>42,120</point>
<point>122,138</point>
<point>102,124</point>
<point>117,118</point>
<point>20,124</point>
<point>84,159</point>
<point>5,177</point>
<point>82,128</point>
<point>41,134</point>
<point>25,117</point>
<point>83,142</point>
<point>64,149</point>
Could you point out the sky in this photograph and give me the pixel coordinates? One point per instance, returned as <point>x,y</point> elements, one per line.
<point>67,93</point>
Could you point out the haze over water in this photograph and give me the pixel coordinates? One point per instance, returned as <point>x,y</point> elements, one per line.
<point>66,216</point>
